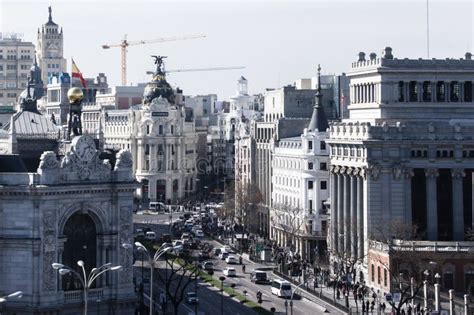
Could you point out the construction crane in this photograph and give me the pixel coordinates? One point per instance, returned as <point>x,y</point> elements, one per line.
<point>198,69</point>
<point>125,43</point>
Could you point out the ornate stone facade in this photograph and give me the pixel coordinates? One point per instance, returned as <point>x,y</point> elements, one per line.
<point>36,219</point>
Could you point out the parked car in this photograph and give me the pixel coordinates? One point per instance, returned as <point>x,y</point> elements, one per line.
<point>223,255</point>
<point>207,265</point>
<point>192,298</point>
<point>231,260</point>
<point>259,276</point>
<point>230,272</point>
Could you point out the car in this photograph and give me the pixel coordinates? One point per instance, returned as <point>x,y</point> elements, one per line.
<point>199,233</point>
<point>230,272</point>
<point>207,265</point>
<point>185,236</point>
<point>166,238</point>
<point>259,276</point>
<point>231,260</point>
<point>178,243</point>
<point>223,255</point>
<point>216,252</point>
<point>192,298</point>
<point>139,233</point>
<point>227,248</point>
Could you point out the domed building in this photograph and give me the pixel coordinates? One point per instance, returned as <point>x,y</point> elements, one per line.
<point>160,133</point>
<point>62,202</point>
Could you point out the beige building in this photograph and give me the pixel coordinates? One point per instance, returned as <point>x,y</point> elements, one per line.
<point>16,59</point>
<point>50,49</point>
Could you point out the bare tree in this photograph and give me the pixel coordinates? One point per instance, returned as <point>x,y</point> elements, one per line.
<point>290,219</point>
<point>247,197</point>
<point>176,278</point>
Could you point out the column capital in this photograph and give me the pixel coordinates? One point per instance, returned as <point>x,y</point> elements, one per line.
<point>356,171</point>
<point>349,170</point>
<point>373,170</point>
<point>458,173</point>
<point>397,171</point>
<point>342,170</point>
<point>431,172</point>
<point>408,173</point>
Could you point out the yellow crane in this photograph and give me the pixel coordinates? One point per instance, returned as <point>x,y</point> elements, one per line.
<point>125,43</point>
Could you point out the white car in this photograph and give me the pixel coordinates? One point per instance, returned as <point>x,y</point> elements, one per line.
<point>227,248</point>
<point>199,233</point>
<point>231,260</point>
<point>230,272</point>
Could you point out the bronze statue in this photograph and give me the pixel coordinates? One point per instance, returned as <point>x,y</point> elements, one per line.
<point>160,69</point>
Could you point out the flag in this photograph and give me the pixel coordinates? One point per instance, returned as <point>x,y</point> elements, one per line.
<point>76,73</point>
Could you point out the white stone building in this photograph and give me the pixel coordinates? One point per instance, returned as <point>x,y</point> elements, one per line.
<point>404,156</point>
<point>300,188</point>
<point>161,135</point>
<point>50,49</point>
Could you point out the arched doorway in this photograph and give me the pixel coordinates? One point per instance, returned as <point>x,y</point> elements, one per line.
<point>81,244</point>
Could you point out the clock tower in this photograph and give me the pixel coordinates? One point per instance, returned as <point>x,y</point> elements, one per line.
<point>50,49</point>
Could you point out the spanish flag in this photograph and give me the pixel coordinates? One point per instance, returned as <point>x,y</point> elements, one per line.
<point>76,73</point>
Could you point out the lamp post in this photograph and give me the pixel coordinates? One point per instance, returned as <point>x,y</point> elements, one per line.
<point>222,278</point>
<point>451,302</point>
<point>437,287</point>
<point>160,251</point>
<point>86,280</point>
<point>17,294</point>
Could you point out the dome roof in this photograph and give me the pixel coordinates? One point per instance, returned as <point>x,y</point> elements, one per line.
<point>156,88</point>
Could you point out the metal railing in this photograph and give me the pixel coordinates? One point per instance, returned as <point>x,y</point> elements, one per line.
<point>78,295</point>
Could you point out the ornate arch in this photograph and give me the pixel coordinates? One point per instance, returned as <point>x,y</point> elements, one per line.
<point>96,214</point>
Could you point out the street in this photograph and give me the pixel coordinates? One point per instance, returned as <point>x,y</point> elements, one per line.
<point>210,297</point>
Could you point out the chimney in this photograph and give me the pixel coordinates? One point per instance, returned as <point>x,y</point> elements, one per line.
<point>361,56</point>
<point>468,56</point>
<point>373,56</point>
<point>387,53</point>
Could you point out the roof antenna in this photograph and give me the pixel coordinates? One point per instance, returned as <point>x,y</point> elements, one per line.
<point>428,28</point>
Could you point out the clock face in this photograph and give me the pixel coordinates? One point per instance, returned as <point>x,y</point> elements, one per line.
<point>85,148</point>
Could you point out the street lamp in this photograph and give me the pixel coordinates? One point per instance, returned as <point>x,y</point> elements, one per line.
<point>222,278</point>
<point>160,251</point>
<point>86,280</point>
<point>17,294</point>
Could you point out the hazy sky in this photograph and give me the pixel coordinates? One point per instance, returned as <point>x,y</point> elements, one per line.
<point>277,41</point>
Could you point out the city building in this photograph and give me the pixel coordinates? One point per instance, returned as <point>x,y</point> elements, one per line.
<point>16,59</point>
<point>287,111</point>
<point>161,135</point>
<point>120,97</point>
<point>50,49</point>
<point>300,188</point>
<point>401,169</point>
<point>77,207</point>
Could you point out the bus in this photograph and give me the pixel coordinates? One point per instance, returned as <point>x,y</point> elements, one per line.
<point>157,206</point>
<point>281,288</point>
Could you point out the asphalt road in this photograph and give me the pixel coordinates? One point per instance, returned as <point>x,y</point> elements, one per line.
<point>210,297</point>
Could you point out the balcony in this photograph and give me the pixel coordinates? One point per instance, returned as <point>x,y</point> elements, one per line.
<point>77,295</point>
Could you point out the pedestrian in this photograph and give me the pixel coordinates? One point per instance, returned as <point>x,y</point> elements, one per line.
<point>367,305</point>
<point>240,260</point>
<point>243,268</point>
<point>363,307</point>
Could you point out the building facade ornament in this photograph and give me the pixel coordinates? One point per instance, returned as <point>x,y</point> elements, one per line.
<point>124,160</point>
<point>373,170</point>
<point>457,173</point>
<point>431,172</point>
<point>397,170</point>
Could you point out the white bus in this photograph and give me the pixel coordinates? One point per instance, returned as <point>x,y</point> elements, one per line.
<point>281,288</point>
<point>157,206</point>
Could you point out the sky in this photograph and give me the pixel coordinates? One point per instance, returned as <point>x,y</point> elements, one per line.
<point>276,41</point>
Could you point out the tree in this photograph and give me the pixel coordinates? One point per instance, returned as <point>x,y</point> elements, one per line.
<point>177,278</point>
<point>405,267</point>
<point>247,197</point>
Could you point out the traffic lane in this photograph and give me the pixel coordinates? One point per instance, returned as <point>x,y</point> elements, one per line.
<point>210,302</point>
<point>243,282</point>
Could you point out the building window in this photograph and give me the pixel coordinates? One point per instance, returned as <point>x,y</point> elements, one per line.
<point>160,129</point>
<point>310,206</point>
<point>401,91</point>
<point>440,92</point>
<point>172,129</point>
<point>147,129</point>
<point>413,90</point>
<point>378,275</point>
<point>454,91</point>
<point>310,165</point>
<point>310,145</point>
<point>372,267</point>
<point>310,184</point>
<point>426,91</point>
<point>324,185</point>
<point>147,149</point>
<point>468,91</point>
<point>323,166</point>
<point>384,277</point>
<point>322,145</point>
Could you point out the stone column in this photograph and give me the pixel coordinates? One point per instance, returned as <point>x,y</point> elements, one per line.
<point>360,215</point>
<point>334,219</point>
<point>408,210</point>
<point>431,204</point>
<point>458,204</point>
<point>353,225</point>
<point>340,212</point>
<point>347,211</point>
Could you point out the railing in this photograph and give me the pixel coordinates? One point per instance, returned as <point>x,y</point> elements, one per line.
<point>78,295</point>
<point>423,246</point>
